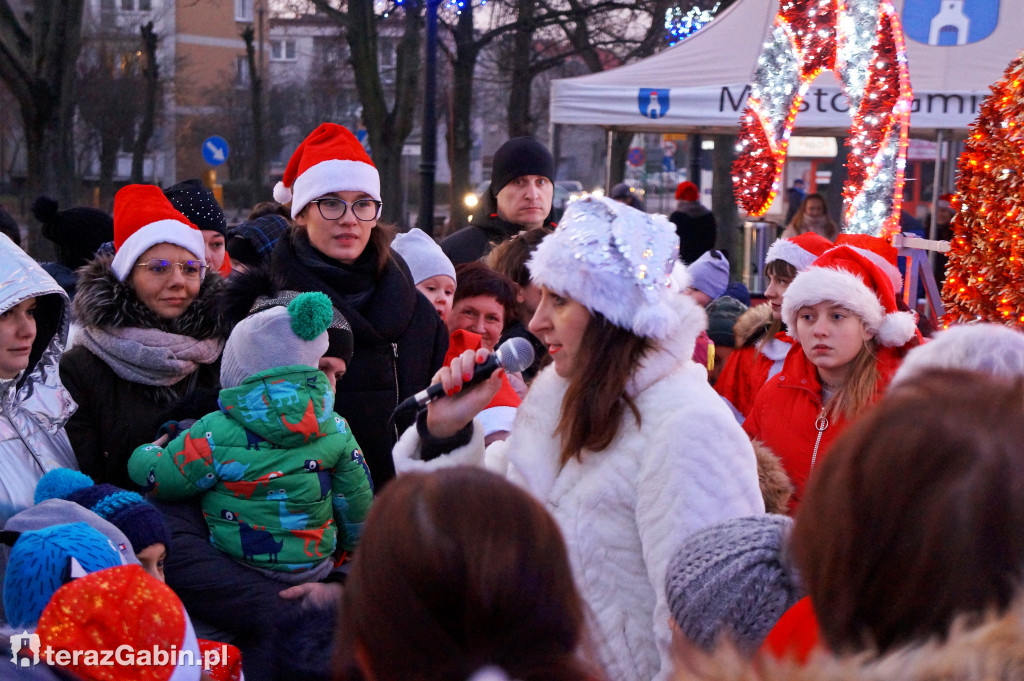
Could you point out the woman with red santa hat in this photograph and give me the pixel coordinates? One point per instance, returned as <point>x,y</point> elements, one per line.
<point>336,246</point>
<point>151,332</point>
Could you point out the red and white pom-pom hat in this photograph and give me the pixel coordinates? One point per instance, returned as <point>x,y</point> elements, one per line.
<point>143,218</point>
<point>799,251</point>
<point>850,278</point>
<point>330,159</point>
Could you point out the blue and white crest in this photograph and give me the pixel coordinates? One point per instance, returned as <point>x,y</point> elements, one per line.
<point>949,22</point>
<point>653,103</point>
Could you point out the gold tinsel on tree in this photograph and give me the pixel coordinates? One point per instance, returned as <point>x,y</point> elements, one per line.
<point>985,274</point>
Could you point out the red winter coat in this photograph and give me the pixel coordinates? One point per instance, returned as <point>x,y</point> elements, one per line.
<point>784,413</point>
<point>745,373</point>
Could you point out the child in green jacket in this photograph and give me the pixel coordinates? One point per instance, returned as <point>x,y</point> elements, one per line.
<point>282,480</point>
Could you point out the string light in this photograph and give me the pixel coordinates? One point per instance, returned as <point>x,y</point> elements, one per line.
<point>859,40</point>
<point>682,25</point>
<point>985,272</point>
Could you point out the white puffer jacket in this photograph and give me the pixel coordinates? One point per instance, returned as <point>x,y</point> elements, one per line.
<point>624,511</point>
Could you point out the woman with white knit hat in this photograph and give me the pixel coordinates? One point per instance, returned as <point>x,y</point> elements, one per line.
<point>335,246</point>
<point>621,436</point>
<point>760,336</point>
<point>851,338</point>
<point>151,332</point>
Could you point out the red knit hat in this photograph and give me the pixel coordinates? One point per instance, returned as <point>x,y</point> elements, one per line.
<point>687,191</point>
<point>120,606</point>
<point>847,276</point>
<point>143,218</point>
<point>330,159</point>
<point>799,251</point>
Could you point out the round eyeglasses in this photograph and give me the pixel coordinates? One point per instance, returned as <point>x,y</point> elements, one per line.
<point>334,209</point>
<point>190,269</point>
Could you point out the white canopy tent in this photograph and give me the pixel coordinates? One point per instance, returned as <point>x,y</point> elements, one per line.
<point>701,84</point>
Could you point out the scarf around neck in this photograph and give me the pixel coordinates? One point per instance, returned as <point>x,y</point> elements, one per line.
<point>149,356</point>
<point>352,283</point>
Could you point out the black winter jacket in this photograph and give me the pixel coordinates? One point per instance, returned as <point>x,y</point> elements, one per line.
<point>475,241</point>
<point>400,343</point>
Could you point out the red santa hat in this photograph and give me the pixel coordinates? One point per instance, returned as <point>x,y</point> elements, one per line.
<point>880,251</point>
<point>120,606</point>
<point>799,251</point>
<point>847,276</point>
<point>143,218</point>
<point>330,159</point>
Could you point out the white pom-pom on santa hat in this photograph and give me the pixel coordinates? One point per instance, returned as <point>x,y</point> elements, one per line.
<point>330,159</point>
<point>143,218</point>
<point>799,251</point>
<point>846,276</point>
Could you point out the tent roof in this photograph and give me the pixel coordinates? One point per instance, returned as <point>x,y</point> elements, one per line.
<point>707,74</point>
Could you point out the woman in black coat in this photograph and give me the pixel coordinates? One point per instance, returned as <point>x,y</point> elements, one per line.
<point>150,333</point>
<point>337,247</point>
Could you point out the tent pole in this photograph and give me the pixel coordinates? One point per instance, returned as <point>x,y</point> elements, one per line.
<point>933,227</point>
<point>608,162</point>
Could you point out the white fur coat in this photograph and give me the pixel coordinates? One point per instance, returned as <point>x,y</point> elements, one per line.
<point>625,510</point>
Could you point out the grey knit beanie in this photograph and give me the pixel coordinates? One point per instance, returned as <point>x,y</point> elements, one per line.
<point>733,580</point>
<point>277,337</point>
<point>710,273</point>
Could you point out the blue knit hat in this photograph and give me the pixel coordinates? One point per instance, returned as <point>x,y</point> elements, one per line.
<point>140,521</point>
<point>42,561</point>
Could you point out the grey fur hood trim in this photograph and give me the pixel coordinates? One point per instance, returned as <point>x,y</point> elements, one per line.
<point>104,302</point>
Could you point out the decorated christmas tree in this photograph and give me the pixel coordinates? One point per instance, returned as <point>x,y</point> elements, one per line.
<point>985,274</point>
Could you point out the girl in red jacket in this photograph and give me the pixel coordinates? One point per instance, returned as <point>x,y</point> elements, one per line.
<point>750,366</point>
<point>850,340</point>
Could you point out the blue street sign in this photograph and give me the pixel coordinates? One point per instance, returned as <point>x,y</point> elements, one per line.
<point>636,157</point>
<point>215,150</point>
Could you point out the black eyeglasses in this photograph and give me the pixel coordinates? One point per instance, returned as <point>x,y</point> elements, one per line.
<point>190,269</point>
<point>334,209</point>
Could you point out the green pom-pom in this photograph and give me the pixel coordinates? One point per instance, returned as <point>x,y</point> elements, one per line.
<point>311,314</point>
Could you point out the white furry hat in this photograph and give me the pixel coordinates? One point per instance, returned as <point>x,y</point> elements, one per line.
<point>799,251</point>
<point>989,348</point>
<point>846,276</point>
<point>613,260</point>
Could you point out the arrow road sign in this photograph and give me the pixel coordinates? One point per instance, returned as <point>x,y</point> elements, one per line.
<point>215,150</point>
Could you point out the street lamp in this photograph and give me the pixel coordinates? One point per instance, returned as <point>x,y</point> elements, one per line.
<point>428,146</point>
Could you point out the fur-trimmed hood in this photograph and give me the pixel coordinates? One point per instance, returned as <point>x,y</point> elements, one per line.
<point>752,324</point>
<point>992,650</point>
<point>102,301</point>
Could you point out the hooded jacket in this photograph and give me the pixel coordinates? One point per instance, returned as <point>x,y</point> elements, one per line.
<point>624,510</point>
<point>399,343</point>
<point>116,415</point>
<point>281,477</point>
<point>34,406</point>
<point>753,361</point>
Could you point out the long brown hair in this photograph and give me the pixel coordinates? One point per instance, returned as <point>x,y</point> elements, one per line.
<point>457,570</point>
<point>596,401</point>
<point>914,518</point>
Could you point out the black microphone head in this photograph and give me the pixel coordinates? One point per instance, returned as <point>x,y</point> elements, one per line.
<point>515,354</point>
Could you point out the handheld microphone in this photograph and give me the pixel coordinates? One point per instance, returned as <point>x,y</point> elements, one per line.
<point>515,354</point>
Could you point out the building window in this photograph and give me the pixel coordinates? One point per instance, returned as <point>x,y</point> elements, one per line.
<point>282,50</point>
<point>243,10</point>
<point>107,5</point>
<point>145,5</point>
<point>241,71</point>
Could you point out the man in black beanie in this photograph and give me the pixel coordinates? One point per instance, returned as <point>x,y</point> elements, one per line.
<point>519,198</point>
<point>196,201</point>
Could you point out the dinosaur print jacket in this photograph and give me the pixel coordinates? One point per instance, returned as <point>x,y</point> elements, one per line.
<point>282,479</point>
